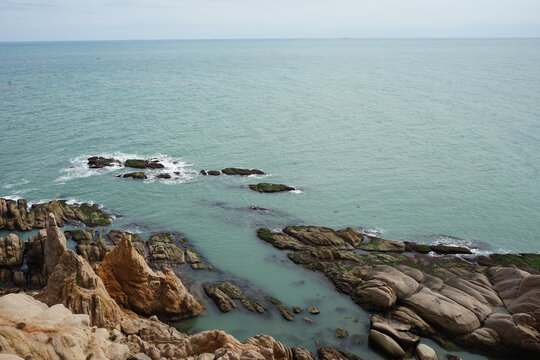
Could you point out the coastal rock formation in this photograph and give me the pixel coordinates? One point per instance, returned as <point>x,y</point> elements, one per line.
<point>98,162</point>
<point>270,188</point>
<point>224,293</point>
<point>14,215</point>
<point>243,172</point>
<point>116,235</point>
<point>445,298</point>
<point>143,164</point>
<point>136,175</point>
<point>163,250</point>
<point>11,251</point>
<point>31,329</point>
<point>54,246</point>
<point>130,281</point>
<point>91,245</point>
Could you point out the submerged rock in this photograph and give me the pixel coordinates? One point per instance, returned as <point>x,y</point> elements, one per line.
<point>287,315</point>
<point>224,293</point>
<point>447,249</point>
<point>163,176</point>
<point>14,215</point>
<point>244,172</point>
<point>269,188</point>
<point>341,333</point>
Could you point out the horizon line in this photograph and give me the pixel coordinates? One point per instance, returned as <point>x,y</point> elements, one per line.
<point>287,38</point>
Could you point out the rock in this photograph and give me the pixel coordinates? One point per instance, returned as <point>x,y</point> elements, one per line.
<point>94,252</point>
<point>98,162</point>
<point>116,235</point>
<point>163,176</point>
<point>297,309</point>
<point>131,282</point>
<point>14,215</point>
<point>54,246</point>
<point>326,353</point>
<point>351,236</point>
<point>244,172</point>
<point>385,343</point>
<point>280,241</point>
<point>287,315</point>
<point>378,244</point>
<point>259,307</point>
<point>398,331</point>
<point>19,278</point>
<point>445,313</point>
<point>341,333</point>
<point>203,172</point>
<point>317,236</point>
<point>301,354</point>
<point>136,175</point>
<point>446,249</point>
<point>519,290</point>
<point>452,357</point>
<point>214,172</point>
<point>313,310</point>
<point>52,332</point>
<point>140,356</point>
<point>224,293</point>
<point>198,266</point>
<point>417,248</point>
<point>11,251</point>
<point>308,319</point>
<point>269,188</point>
<point>164,250</point>
<point>191,256</point>
<point>425,352</point>
<point>143,164</point>
<point>5,276</point>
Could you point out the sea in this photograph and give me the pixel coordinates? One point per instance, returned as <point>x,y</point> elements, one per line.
<point>425,140</point>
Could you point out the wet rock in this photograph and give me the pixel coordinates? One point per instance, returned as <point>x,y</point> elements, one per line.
<point>191,256</point>
<point>308,319</point>
<point>398,331</point>
<point>131,282</point>
<point>326,353</point>
<point>452,357</point>
<point>280,241</point>
<point>15,215</point>
<point>302,354</point>
<point>274,301</point>
<point>163,249</point>
<point>297,309</point>
<point>203,172</point>
<point>139,175</point>
<point>270,188</point>
<point>313,310</point>
<point>214,172</point>
<point>446,249</point>
<point>259,307</point>
<point>163,176</point>
<point>287,315</point>
<point>317,236</point>
<point>11,251</point>
<point>341,333</point>
<point>351,236</point>
<point>378,244</point>
<point>198,266</point>
<point>385,343</point>
<point>244,172</point>
<point>424,352</point>
<point>98,162</point>
<point>417,248</point>
<point>224,293</point>
<point>143,164</point>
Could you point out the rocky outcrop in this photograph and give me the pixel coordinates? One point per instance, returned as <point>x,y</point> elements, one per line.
<point>131,282</point>
<point>99,162</point>
<point>224,293</point>
<point>54,246</point>
<point>270,188</point>
<point>243,172</point>
<point>11,251</point>
<point>143,164</point>
<point>163,250</point>
<point>444,298</point>
<point>31,329</point>
<point>139,175</point>
<point>116,235</point>
<point>15,215</point>
<point>94,250</point>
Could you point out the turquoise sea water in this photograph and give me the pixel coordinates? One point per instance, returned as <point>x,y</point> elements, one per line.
<point>423,140</point>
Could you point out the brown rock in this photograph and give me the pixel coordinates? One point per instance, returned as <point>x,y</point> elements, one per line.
<point>131,282</point>
<point>385,343</point>
<point>351,236</point>
<point>11,251</point>
<point>54,246</point>
<point>317,236</point>
<point>424,352</point>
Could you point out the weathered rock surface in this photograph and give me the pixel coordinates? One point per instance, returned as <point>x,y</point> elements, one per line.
<point>14,215</point>
<point>163,250</point>
<point>11,251</point>
<point>224,293</point>
<point>116,235</point>
<point>385,343</point>
<point>269,188</point>
<point>424,352</point>
<point>91,245</point>
<point>243,172</point>
<point>29,328</point>
<point>130,281</point>
<point>444,298</point>
<point>54,246</point>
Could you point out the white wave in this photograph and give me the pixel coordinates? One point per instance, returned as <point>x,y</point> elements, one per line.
<point>12,197</point>
<point>372,232</point>
<point>179,170</point>
<point>296,191</point>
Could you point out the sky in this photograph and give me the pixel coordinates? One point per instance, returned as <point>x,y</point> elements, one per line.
<point>49,20</point>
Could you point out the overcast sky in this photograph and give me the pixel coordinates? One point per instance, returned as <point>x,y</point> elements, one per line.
<point>196,19</point>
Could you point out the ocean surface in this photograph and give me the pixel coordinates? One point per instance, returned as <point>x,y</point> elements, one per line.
<point>421,140</point>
